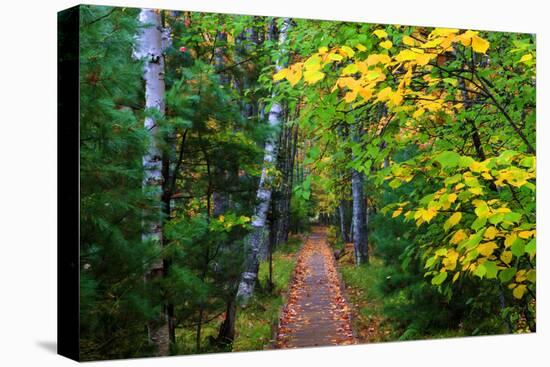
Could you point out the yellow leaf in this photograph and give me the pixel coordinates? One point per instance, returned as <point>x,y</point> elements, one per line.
<point>428,214</point>
<point>294,77</point>
<point>519,291</point>
<point>443,32</point>
<point>453,220</point>
<point>455,277</point>
<point>476,190</point>
<point>409,41</point>
<point>526,234</point>
<point>360,47</point>
<point>395,98</point>
<point>384,94</point>
<point>386,44</point>
<point>397,213</point>
<point>490,232</point>
<point>510,239</point>
<point>313,76</point>
<point>280,75</point>
<point>380,33</point>
<point>487,248</point>
<point>433,43</point>
<point>452,198</point>
<point>479,44</point>
<point>348,51</point>
<point>366,93</point>
<point>406,55</point>
<point>521,275</point>
<point>350,96</point>
<point>506,257</point>
<point>323,50</point>
<point>449,262</point>
<point>418,113</point>
<point>458,237</point>
<point>221,218</point>
<point>526,58</point>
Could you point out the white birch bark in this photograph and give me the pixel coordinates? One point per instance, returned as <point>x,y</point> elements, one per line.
<point>149,49</point>
<point>257,240</point>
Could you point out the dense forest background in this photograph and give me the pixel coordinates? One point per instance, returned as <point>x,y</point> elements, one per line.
<point>210,143</point>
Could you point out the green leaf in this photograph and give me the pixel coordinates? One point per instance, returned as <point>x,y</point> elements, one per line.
<point>490,269</point>
<point>439,278</point>
<point>480,271</point>
<point>507,274</point>
<point>531,247</point>
<point>479,223</point>
<point>448,159</point>
<point>518,247</point>
<point>395,183</point>
<point>512,217</point>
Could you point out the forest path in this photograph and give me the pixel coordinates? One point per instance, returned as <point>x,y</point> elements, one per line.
<point>316,312</point>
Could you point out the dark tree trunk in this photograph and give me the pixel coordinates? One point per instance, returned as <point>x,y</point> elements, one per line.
<point>343,227</point>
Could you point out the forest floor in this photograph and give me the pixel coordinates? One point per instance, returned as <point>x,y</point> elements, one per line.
<point>365,299</point>
<point>317,312</point>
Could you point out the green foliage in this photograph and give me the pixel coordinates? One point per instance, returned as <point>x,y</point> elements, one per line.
<point>256,322</point>
<point>470,187</point>
<point>441,122</point>
<point>115,304</point>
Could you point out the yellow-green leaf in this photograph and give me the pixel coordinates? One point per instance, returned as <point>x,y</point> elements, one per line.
<point>348,51</point>
<point>439,278</point>
<point>335,57</point>
<point>506,257</point>
<point>519,291</point>
<point>526,58</point>
<point>350,69</point>
<point>313,76</point>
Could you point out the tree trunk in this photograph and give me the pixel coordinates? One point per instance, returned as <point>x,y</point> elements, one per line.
<point>149,49</point>
<point>360,240</point>
<point>256,241</point>
<point>342,213</point>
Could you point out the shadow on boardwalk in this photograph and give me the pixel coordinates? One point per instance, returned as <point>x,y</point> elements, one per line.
<point>317,313</point>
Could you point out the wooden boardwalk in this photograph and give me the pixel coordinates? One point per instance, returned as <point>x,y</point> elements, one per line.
<point>317,313</point>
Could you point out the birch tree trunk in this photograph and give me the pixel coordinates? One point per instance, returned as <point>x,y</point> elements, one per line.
<point>256,241</point>
<point>359,216</point>
<point>149,49</point>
